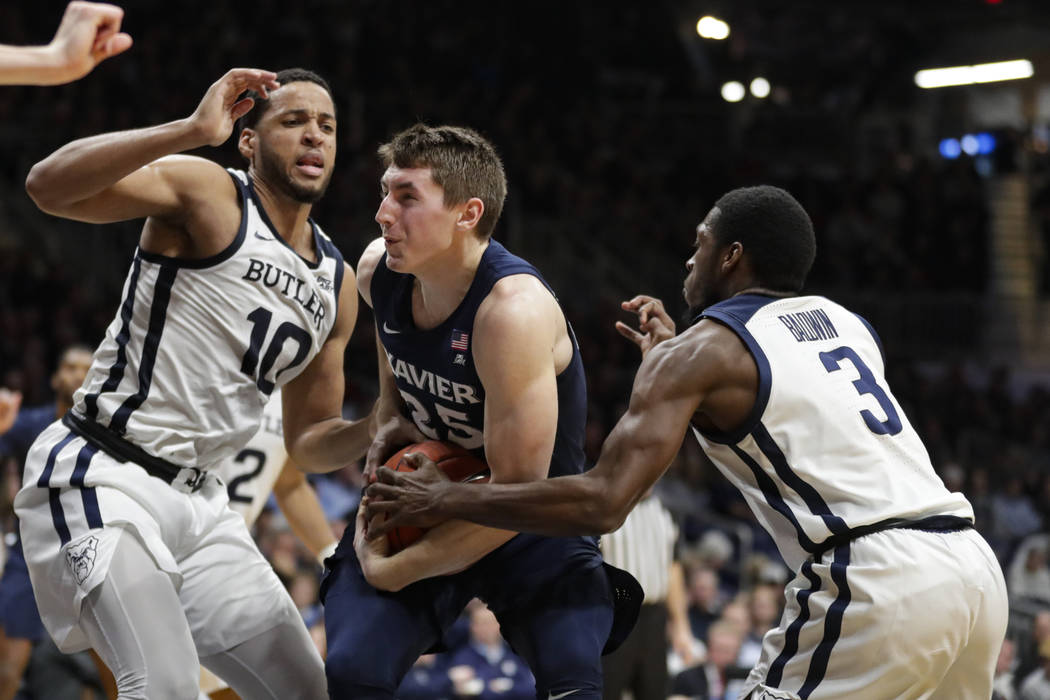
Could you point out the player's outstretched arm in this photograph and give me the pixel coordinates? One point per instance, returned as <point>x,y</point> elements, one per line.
<point>673,381</point>
<point>316,435</point>
<point>88,34</point>
<point>124,175</point>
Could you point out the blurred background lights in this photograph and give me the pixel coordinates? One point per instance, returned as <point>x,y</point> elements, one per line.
<point>733,91</point>
<point>985,143</point>
<point>710,27</point>
<point>950,148</point>
<point>760,88</point>
<point>969,144</point>
<point>979,73</point>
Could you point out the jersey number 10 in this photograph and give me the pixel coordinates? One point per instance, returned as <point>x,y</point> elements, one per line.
<point>250,364</point>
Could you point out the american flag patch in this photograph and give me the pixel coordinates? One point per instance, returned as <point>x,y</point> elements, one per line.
<point>460,340</point>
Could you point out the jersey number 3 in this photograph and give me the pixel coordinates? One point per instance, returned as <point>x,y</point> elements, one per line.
<point>866,384</point>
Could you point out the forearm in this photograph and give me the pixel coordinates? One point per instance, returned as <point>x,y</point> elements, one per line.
<point>331,444</point>
<point>574,505</point>
<point>677,603</point>
<point>33,65</point>
<point>303,512</point>
<point>446,549</point>
<point>87,166</point>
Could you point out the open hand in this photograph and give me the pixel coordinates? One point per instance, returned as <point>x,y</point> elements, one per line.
<point>223,105</point>
<point>405,498</point>
<point>654,325</point>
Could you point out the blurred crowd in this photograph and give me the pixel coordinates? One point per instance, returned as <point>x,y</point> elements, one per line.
<point>613,157</point>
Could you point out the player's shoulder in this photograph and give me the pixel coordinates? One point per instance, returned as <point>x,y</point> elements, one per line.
<point>366,267</point>
<point>518,299</point>
<point>706,349</point>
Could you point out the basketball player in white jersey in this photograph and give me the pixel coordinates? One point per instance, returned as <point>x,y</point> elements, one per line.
<point>896,595</point>
<point>232,293</point>
<point>88,34</point>
<point>260,468</point>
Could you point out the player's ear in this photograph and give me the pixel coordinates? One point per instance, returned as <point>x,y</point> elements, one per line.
<point>246,143</point>
<point>470,216</point>
<point>732,255</point>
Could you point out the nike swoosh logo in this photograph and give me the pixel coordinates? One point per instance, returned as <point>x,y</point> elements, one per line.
<point>261,237</point>
<point>552,696</point>
<point>391,331</point>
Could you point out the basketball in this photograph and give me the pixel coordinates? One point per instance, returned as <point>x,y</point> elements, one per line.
<point>458,464</point>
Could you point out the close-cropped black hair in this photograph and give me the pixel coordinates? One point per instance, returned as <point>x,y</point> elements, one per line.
<point>288,75</point>
<point>774,229</point>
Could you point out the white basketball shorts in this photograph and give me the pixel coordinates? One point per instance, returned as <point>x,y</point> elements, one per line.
<point>901,613</point>
<point>74,502</point>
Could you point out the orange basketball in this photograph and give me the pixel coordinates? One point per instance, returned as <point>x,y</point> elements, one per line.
<point>458,463</point>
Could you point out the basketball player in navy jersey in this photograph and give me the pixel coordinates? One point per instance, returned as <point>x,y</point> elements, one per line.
<point>88,34</point>
<point>20,625</point>
<point>476,351</point>
<point>233,293</point>
<point>896,595</point>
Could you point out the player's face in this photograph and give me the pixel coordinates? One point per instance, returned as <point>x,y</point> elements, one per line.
<point>416,225</point>
<point>701,284</point>
<point>295,145</point>
<point>72,369</point>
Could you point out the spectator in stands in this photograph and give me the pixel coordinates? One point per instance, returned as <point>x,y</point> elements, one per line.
<point>486,668</point>
<point>1036,685</point>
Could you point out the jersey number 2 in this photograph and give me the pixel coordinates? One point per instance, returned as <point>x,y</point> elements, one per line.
<point>244,455</point>
<point>261,319</point>
<point>866,384</point>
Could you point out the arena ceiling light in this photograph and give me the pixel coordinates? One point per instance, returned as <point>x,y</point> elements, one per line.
<point>733,91</point>
<point>760,88</point>
<point>710,27</point>
<point>979,73</point>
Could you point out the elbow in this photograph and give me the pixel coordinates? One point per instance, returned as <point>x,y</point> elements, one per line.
<point>40,187</point>
<point>610,519</point>
<point>606,514</point>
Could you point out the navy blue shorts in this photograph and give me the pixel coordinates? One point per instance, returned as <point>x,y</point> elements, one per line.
<point>18,613</point>
<point>374,637</point>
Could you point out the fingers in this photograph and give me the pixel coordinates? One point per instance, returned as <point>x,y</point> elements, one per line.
<point>380,527</point>
<point>416,460</point>
<point>116,44</point>
<point>629,333</point>
<point>386,475</point>
<point>381,497</point>
<point>238,80</point>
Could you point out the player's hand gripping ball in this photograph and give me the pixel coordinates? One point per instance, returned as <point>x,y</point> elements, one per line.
<point>458,464</point>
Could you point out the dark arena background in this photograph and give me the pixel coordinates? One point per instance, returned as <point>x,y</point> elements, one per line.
<point>619,126</point>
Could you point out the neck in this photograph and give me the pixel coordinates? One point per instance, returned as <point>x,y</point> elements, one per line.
<point>441,286</point>
<point>764,291</point>
<point>290,217</point>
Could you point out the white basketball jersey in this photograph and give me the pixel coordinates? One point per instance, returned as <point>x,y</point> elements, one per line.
<point>251,473</point>
<point>827,448</point>
<point>198,346</point>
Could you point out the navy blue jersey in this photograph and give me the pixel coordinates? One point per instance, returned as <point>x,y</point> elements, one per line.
<point>435,374</point>
<point>28,425</point>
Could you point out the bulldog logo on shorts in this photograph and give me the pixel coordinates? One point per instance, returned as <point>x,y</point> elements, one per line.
<point>81,558</point>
